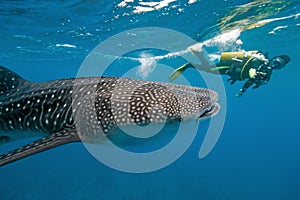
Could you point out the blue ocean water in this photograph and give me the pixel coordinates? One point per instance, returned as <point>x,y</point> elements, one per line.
<point>256,156</point>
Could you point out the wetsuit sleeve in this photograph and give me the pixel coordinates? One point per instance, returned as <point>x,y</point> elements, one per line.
<point>261,82</point>
<point>246,85</point>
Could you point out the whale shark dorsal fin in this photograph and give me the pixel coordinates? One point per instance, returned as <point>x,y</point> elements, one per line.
<point>10,81</point>
<point>56,139</point>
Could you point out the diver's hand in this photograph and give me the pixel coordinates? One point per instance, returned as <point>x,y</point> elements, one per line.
<point>261,73</point>
<point>240,93</point>
<point>231,81</point>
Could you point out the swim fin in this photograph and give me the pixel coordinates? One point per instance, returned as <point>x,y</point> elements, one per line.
<point>177,72</point>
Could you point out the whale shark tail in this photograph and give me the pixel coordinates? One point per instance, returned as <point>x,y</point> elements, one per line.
<point>10,81</point>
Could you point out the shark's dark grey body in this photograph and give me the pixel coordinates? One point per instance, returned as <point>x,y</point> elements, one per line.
<point>87,109</point>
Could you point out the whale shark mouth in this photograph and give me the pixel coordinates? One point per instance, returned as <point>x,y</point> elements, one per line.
<point>210,111</point>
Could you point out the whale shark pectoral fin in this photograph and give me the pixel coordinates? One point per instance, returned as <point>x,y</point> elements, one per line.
<point>51,141</point>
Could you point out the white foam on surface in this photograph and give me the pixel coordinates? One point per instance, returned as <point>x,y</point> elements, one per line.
<point>144,7</point>
<point>192,1</point>
<point>278,28</point>
<point>66,45</point>
<point>223,42</point>
<point>148,64</point>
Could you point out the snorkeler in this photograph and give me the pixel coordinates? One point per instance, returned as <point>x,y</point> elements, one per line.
<point>253,67</point>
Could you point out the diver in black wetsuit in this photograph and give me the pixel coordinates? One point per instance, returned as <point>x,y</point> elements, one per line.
<point>253,67</point>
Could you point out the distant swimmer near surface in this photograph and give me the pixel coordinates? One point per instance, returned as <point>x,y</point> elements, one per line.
<point>253,67</point>
<point>54,107</point>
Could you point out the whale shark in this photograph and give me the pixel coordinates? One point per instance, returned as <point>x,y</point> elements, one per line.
<point>89,108</point>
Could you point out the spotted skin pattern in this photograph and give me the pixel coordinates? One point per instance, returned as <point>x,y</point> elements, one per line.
<point>84,109</point>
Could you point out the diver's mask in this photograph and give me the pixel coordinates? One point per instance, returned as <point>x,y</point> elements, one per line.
<point>279,62</point>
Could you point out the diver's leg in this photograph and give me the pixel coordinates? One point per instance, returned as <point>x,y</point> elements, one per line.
<point>219,68</point>
<point>223,67</point>
<point>177,72</point>
<point>214,69</point>
<point>206,68</point>
<point>201,57</point>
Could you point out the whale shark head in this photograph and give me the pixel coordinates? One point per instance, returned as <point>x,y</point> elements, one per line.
<point>195,103</point>
<point>119,102</point>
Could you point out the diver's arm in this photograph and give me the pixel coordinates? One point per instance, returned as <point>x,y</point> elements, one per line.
<point>265,78</point>
<point>260,83</point>
<point>201,57</point>
<point>245,87</point>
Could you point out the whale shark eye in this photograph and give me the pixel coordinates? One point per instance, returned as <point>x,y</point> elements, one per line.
<point>4,138</point>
